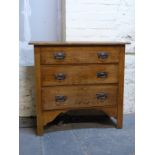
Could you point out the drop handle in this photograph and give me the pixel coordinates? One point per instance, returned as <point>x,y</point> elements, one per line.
<point>60,76</point>
<point>59,55</point>
<point>101,96</point>
<point>102,55</point>
<point>60,98</point>
<point>102,74</point>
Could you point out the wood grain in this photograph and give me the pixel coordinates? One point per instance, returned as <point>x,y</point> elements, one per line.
<point>84,43</point>
<point>78,96</point>
<point>78,55</point>
<point>121,87</point>
<point>38,92</point>
<point>81,88</point>
<point>79,74</point>
<point>49,116</point>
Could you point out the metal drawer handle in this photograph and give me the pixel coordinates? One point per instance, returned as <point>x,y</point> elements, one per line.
<point>101,96</point>
<point>59,55</point>
<point>60,76</point>
<point>60,98</point>
<point>102,55</point>
<point>102,74</point>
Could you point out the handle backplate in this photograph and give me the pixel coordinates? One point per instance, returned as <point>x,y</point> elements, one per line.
<point>59,55</point>
<point>60,98</point>
<point>102,55</point>
<point>101,96</point>
<point>102,74</point>
<point>60,76</point>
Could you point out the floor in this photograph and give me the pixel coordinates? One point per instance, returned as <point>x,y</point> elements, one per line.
<point>80,135</point>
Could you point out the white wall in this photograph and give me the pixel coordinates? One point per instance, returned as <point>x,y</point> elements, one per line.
<point>39,21</point>
<point>100,20</point>
<point>105,20</point>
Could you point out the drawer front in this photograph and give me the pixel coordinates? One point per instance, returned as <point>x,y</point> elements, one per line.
<point>79,74</point>
<point>73,55</point>
<point>78,96</point>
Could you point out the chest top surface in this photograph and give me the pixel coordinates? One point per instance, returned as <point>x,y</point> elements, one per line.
<point>43,43</point>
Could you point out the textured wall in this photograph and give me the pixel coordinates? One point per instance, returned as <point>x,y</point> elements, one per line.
<point>26,88</point>
<point>100,20</point>
<point>105,20</point>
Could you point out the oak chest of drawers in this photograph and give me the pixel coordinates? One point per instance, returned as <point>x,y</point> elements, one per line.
<point>78,76</point>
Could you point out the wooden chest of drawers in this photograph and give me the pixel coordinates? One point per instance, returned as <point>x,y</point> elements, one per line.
<point>78,76</point>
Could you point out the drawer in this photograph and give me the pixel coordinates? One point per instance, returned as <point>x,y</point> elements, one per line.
<point>78,96</point>
<point>79,74</point>
<point>74,55</point>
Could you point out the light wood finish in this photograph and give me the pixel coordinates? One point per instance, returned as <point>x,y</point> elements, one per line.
<point>81,88</point>
<point>78,96</point>
<point>75,55</point>
<point>49,116</point>
<point>111,112</point>
<point>38,92</point>
<point>121,88</point>
<point>79,74</point>
<point>84,43</point>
